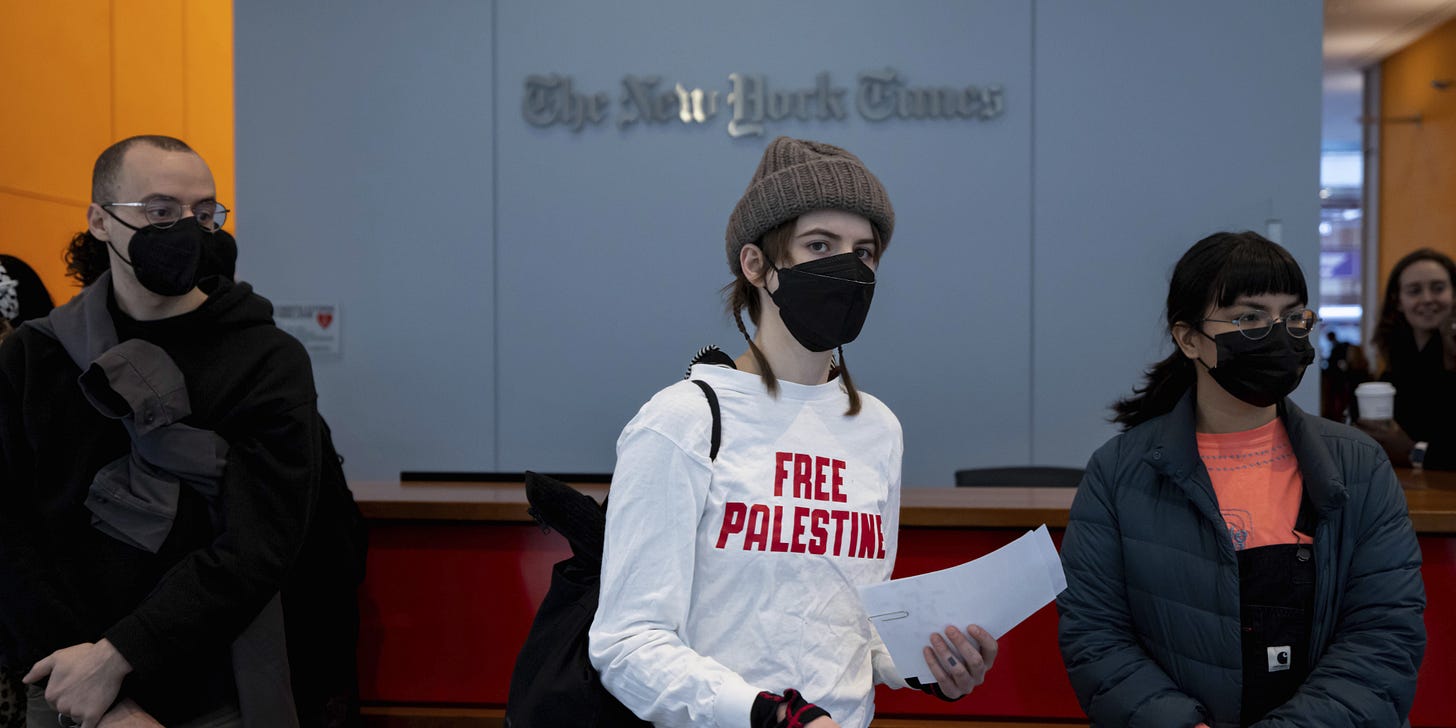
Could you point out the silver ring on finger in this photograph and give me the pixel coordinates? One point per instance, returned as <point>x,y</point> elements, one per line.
<point>67,721</point>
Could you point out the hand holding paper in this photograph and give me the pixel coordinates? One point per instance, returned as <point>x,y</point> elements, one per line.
<point>960,660</point>
<point>997,591</point>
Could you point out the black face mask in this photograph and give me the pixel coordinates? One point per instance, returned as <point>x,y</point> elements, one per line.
<point>1263,371</point>
<point>219,256</point>
<point>165,261</point>
<point>824,302</point>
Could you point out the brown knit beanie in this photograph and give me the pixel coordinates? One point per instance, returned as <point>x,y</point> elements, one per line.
<point>797,177</point>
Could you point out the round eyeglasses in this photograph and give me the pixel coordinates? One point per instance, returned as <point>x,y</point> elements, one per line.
<point>166,212</point>
<point>1257,324</point>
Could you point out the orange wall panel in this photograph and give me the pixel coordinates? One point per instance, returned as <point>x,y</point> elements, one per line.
<point>77,75</point>
<point>55,82</point>
<point>1418,161</point>
<point>208,115</point>
<point>51,224</point>
<point>150,64</point>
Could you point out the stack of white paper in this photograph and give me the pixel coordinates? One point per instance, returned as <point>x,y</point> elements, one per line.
<point>996,591</point>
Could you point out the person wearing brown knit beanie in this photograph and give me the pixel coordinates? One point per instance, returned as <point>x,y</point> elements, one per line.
<point>728,587</point>
<point>800,187</point>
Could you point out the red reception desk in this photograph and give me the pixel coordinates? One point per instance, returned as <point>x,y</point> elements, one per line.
<point>456,571</point>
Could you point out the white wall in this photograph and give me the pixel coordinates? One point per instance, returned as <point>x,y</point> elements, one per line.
<point>511,294</point>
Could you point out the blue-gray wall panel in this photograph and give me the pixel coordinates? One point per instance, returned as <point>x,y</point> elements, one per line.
<point>510,295</point>
<point>611,240</point>
<point>1156,124</point>
<point>364,179</point>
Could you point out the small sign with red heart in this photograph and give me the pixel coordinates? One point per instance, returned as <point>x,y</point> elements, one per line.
<point>315,325</point>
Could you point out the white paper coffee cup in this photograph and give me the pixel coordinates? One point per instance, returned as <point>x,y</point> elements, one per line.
<point>1377,400</point>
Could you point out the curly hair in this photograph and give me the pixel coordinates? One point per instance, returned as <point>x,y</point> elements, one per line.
<point>1393,333</point>
<point>86,258</point>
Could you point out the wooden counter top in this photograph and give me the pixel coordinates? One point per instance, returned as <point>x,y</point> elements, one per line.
<point>1431,496</point>
<point>450,501</point>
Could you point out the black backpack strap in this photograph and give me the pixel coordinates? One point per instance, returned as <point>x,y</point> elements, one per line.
<point>717,417</point>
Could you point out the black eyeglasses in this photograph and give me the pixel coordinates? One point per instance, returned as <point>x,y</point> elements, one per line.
<point>1257,324</point>
<point>166,212</point>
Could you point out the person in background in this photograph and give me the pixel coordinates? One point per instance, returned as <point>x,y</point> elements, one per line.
<point>159,457</point>
<point>1231,560</point>
<point>23,296</point>
<point>713,612</point>
<point>1345,369</point>
<point>1416,342</point>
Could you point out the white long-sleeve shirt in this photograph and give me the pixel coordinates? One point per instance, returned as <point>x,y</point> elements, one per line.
<point>721,579</point>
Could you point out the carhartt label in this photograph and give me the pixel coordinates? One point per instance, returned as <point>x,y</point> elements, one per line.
<point>1279,658</point>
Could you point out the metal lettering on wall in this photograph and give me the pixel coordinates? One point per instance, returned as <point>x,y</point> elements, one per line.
<point>751,103</point>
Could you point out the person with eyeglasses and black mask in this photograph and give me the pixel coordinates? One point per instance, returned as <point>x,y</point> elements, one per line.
<point>321,613</point>
<point>159,455</point>
<point>1231,560</point>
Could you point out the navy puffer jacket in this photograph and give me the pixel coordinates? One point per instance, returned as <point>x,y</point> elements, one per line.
<point>1150,618</point>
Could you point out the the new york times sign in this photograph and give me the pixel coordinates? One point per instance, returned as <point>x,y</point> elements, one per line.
<point>750,104</point>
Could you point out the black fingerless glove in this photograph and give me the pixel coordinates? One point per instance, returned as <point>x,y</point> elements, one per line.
<point>931,689</point>
<point>798,714</point>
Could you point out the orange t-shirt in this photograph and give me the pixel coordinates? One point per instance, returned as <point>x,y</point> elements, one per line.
<point>1256,478</point>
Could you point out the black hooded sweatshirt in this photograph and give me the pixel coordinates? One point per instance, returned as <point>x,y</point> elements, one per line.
<point>175,613</point>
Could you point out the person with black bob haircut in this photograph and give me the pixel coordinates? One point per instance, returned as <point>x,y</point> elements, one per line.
<point>1231,560</point>
<point>1416,341</point>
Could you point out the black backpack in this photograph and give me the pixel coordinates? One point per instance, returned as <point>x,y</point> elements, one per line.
<point>553,683</point>
<point>321,601</point>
